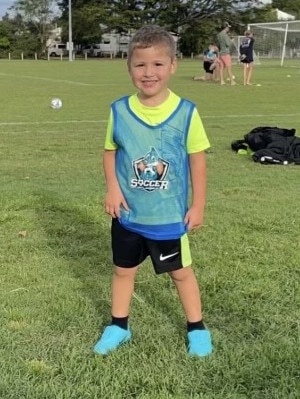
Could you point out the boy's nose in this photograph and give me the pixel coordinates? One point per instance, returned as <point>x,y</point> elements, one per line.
<point>149,70</point>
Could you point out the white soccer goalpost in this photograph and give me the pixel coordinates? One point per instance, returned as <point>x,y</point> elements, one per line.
<point>277,40</point>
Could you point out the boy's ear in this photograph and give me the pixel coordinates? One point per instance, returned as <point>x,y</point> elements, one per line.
<point>174,65</point>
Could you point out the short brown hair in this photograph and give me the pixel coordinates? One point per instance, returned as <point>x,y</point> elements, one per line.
<point>152,35</point>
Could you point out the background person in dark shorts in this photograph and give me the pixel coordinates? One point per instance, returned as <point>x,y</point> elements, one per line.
<point>211,64</point>
<point>246,56</point>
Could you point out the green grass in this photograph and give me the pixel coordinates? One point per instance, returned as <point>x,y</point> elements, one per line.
<point>55,281</point>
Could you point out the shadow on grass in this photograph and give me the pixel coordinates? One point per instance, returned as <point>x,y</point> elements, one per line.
<point>83,241</point>
<point>75,236</point>
<point>158,298</point>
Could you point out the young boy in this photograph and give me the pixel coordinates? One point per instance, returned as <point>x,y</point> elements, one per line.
<point>210,58</point>
<point>246,56</point>
<point>211,64</point>
<point>154,141</point>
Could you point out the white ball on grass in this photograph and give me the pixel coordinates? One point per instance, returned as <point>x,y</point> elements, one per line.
<point>56,103</point>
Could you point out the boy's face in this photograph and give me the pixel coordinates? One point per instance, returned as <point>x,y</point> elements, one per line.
<point>150,70</point>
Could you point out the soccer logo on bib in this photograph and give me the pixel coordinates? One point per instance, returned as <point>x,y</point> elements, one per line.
<point>150,171</point>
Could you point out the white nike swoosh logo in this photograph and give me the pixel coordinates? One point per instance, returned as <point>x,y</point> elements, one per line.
<point>162,258</point>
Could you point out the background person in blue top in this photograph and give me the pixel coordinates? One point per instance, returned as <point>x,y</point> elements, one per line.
<point>211,64</point>
<point>155,141</point>
<point>246,56</point>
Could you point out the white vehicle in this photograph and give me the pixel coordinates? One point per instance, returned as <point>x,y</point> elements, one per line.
<point>112,44</point>
<point>90,49</point>
<point>57,49</point>
<point>123,44</point>
<point>107,46</point>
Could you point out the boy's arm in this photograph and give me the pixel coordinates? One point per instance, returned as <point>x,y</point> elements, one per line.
<point>195,214</point>
<point>114,197</point>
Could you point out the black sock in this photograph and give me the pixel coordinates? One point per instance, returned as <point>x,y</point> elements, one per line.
<point>121,322</point>
<point>197,325</point>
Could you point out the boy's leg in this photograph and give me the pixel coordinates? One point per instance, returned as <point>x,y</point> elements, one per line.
<point>230,74</point>
<point>249,75</point>
<point>188,290</point>
<point>118,331</point>
<point>128,252</point>
<point>122,290</point>
<point>226,59</point>
<point>245,73</point>
<point>199,78</point>
<point>222,81</point>
<point>216,75</point>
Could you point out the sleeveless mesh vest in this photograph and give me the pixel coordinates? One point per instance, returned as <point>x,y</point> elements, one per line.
<point>152,170</point>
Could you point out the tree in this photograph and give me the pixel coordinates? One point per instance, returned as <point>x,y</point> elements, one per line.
<point>177,15</point>
<point>87,19</point>
<point>37,16</point>
<point>16,38</point>
<point>262,14</point>
<point>85,24</point>
<point>289,6</point>
<point>197,21</point>
<point>4,37</point>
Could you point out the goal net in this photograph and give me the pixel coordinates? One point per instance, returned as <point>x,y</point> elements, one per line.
<point>277,40</point>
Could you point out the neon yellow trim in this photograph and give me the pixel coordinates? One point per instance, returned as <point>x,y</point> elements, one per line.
<point>197,140</point>
<point>186,257</point>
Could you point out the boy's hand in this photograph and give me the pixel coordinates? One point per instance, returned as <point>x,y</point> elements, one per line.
<point>114,199</point>
<point>193,218</point>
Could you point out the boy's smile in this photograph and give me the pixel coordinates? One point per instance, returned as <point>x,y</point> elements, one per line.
<point>150,70</point>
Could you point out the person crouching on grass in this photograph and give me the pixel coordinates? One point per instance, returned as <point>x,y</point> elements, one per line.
<point>211,64</point>
<point>155,140</point>
<point>246,56</point>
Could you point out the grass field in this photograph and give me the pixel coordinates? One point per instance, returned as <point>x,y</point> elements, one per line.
<point>55,248</point>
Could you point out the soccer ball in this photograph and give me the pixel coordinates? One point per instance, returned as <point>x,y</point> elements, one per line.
<point>56,103</point>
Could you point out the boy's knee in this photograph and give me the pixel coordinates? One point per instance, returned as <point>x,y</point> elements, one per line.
<point>181,274</point>
<point>124,272</point>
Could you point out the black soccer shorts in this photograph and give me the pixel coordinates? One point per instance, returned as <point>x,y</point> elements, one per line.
<point>131,249</point>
